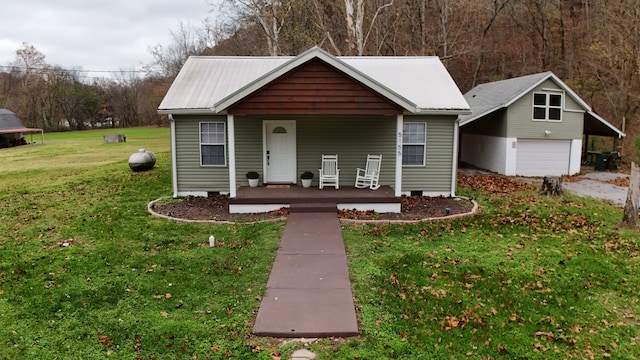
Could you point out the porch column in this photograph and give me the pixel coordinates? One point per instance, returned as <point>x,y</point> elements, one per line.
<point>231,133</point>
<point>399,127</point>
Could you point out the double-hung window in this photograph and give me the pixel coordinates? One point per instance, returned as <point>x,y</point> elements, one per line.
<point>212,144</point>
<point>414,143</point>
<point>547,107</point>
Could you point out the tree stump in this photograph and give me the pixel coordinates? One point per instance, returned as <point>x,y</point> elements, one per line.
<point>630,216</point>
<point>551,186</point>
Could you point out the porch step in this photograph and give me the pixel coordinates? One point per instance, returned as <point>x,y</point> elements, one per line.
<point>313,207</point>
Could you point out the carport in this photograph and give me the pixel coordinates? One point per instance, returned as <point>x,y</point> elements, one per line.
<point>594,125</point>
<point>12,130</point>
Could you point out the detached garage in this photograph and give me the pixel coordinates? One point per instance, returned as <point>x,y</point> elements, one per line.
<point>529,126</point>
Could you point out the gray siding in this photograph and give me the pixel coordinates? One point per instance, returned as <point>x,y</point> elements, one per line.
<point>248,148</point>
<point>190,175</point>
<point>435,176</point>
<point>521,124</point>
<point>351,137</point>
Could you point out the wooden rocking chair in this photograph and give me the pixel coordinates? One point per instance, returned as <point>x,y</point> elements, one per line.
<point>329,173</point>
<point>368,177</point>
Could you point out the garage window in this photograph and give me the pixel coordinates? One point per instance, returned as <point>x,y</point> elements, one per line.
<point>547,107</point>
<point>414,143</point>
<point>212,144</point>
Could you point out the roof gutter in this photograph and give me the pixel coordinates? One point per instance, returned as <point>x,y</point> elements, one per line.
<point>442,111</point>
<point>205,111</point>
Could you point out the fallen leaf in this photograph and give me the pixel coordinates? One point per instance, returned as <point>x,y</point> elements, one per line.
<point>453,322</point>
<point>164,314</point>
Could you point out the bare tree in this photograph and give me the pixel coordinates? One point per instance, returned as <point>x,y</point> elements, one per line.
<point>32,67</point>
<point>496,8</point>
<point>270,15</point>
<point>355,18</point>
<point>187,41</point>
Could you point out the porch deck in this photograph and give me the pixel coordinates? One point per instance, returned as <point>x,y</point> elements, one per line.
<point>265,198</point>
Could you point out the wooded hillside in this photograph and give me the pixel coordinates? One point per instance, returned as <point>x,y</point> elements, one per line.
<point>594,46</point>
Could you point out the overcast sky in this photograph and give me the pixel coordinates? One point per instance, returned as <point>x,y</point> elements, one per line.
<point>94,34</point>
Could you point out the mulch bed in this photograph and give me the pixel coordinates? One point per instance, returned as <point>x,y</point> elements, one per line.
<point>217,209</point>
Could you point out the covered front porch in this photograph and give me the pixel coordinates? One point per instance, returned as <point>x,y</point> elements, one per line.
<point>300,199</point>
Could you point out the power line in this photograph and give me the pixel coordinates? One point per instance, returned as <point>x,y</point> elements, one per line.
<point>80,73</point>
<point>13,67</point>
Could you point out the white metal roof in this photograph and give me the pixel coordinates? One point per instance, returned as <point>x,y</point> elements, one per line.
<point>212,84</point>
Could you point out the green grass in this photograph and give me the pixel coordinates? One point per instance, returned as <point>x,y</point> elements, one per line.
<point>528,277</point>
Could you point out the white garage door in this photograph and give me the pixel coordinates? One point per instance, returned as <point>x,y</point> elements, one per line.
<point>543,157</point>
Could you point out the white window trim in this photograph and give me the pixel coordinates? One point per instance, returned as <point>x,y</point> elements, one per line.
<point>224,143</point>
<point>424,144</point>
<point>547,106</point>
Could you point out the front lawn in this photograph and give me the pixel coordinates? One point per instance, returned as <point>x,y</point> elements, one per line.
<point>86,273</point>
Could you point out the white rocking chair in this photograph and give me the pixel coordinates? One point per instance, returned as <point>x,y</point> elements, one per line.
<point>329,173</point>
<point>368,177</point>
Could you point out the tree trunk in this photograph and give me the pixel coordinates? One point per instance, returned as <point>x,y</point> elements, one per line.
<point>630,217</point>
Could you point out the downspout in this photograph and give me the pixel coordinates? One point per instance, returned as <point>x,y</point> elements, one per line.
<point>399,128</point>
<point>454,165</point>
<point>174,165</point>
<point>232,155</point>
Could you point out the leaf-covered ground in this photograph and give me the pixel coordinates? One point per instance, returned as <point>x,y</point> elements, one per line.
<point>86,272</point>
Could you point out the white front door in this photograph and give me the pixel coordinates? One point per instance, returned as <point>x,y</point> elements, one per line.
<point>280,151</point>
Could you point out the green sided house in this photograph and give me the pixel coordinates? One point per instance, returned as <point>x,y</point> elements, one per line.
<point>530,126</point>
<point>278,115</point>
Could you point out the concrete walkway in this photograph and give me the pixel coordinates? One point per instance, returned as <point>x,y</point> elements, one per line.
<point>309,293</point>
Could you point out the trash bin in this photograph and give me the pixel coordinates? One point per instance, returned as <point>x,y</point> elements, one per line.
<point>601,161</point>
<point>612,160</point>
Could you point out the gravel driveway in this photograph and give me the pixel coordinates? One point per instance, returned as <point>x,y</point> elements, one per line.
<point>592,185</point>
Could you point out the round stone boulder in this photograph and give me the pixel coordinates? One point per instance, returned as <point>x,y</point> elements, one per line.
<point>142,160</point>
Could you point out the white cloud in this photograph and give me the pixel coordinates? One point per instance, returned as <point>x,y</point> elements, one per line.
<point>95,34</point>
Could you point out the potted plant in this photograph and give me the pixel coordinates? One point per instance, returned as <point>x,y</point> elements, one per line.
<point>306,178</point>
<point>253,177</point>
